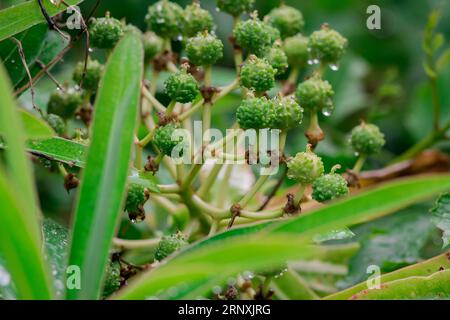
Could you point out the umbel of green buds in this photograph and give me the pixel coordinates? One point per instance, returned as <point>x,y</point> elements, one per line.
<point>235,7</point>
<point>169,245</point>
<point>105,32</point>
<point>288,20</point>
<point>163,139</point>
<point>181,87</point>
<point>327,45</point>
<point>94,71</point>
<point>367,139</point>
<point>252,113</point>
<point>165,19</point>
<point>255,35</point>
<point>276,57</point>
<point>196,20</point>
<point>284,114</point>
<point>153,45</point>
<point>136,198</point>
<point>65,102</point>
<point>305,167</point>
<point>57,123</point>
<point>296,49</point>
<point>315,95</point>
<point>204,49</point>
<point>258,75</point>
<point>330,186</point>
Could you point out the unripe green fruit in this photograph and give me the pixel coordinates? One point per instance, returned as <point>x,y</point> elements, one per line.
<point>65,103</point>
<point>112,280</point>
<point>327,45</point>
<point>277,59</point>
<point>235,7</point>
<point>56,123</point>
<point>132,28</point>
<point>296,49</point>
<point>136,198</point>
<point>254,35</point>
<point>329,187</point>
<point>305,167</point>
<point>153,45</point>
<point>105,32</point>
<point>315,95</point>
<point>288,20</point>
<point>165,19</point>
<point>284,114</point>
<point>204,49</point>
<point>257,74</point>
<point>181,87</point>
<point>163,139</point>
<point>252,113</point>
<point>94,71</point>
<point>170,244</point>
<point>196,20</point>
<point>367,139</point>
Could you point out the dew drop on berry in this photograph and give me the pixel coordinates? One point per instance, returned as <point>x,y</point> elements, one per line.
<point>334,67</point>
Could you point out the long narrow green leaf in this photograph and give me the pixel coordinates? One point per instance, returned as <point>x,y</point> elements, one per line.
<point>19,18</point>
<point>20,238</point>
<point>104,179</point>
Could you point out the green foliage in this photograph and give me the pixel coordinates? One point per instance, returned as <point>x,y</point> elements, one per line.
<point>441,217</point>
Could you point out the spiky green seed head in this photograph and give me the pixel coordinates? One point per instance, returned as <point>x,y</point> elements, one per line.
<point>327,45</point>
<point>315,95</point>
<point>367,139</point>
<point>57,123</point>
<point>285,114</point>
<point>64,103</point>
<point>170,244</point>
<point>181,87</point>
<point>288,20</point>
<point>204,49</point>
<point>254,35</point>
<point>164,141</point>
<point>277,59</point>
<point>136,198</point>
<point>105,32</point>
<point>305,167</point>
<point>330,187</point>
<point>94,71</point>
<point>112,278</point>
<point>153,45</point>
<point>258,75</point>
<point>235,7</point>
<point>196,20</point>
<point>296,49</point>
<point>252,113</point>
<point>165,18</point>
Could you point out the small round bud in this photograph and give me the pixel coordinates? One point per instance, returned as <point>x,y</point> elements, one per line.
<point>170,244</point>
<point>153,45</point>
<point>94,71</point>
<point>204,49</point>
<point>315,95</point>
<point>254,35</point>
<point>327,45</point>
<point>112,278</point>
<point>285,114</point>
<point>136,198</point>
<point>105,32</point>
<point>235,7</point>
<point>165,19</point>
<point>181,87</point>
<point>132,28</point>
<point>257,74</point>
<point>277,59</point>
<point>196,20</point>
<point>252,113</point>
<point>367,139</point>
<point>329,187</point>
<point>64,103</point>
<point>288,20</point>
<point>305,167</point>
<point>164,141</point>
<point>56,123</point>
<point>296,49</point>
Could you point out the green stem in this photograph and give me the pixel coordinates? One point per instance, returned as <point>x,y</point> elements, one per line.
<point>224,186</point>
<point>359,163</point>
<point>191,176</point>
<point>170,108</point>
<point>205,188</point>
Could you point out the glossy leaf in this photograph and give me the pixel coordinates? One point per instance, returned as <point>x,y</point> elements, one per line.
<point>59,149</point>
<point>104,178</point>
<point>34,127</point>
<point>441,217</point>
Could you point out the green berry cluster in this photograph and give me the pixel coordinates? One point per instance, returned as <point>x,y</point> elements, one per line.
<point>288,20</point>
<point>92,75</point>
<point>327,45</point>
<point>330,187</point>
<point>153,45</point>
<point>181,87</point>
<point>305,167</point>
<point>56,123</point>
<point>165,18</point>
<point>204,49</point>
<point>196,20</point>
<point>367,139</point>
<point>296,49</point>
<point>285,113</point>
<point>252,113</point>
<point>277,58</point>
<point>64,102</point>
<point>255,35</point>
<point>235,7</point>
<point>315,95</point>
<point>105,32</point>
<point>258,75</point>
<point>164,140</point>
<point>170,244</point>
<point>136,198</point>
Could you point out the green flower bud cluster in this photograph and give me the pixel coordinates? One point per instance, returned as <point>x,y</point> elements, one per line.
<point>330,186</point>
<point>288,20</point>
<point>105,32</point>
<point>258,75</point>
<point>65,102</point>
<point>305,167</point>
<point>163,139</point>
<point>181,87</point>
<point>276,57</point>
<point>254,35</point>
<point>252,113</point>
<point>165,18</point>
<point>204,49</point>
<point>327,45</point>
<point>235,7</point>
<point>296,49</point>
<point>196,20</point>
<point>170,244</point>
<point>94,71</point>
<point>367,139</point>
<point>136,198</point>
<point>315,95</point>
<point>285,113</point>
<point>56,123</point>
<point>153,45</point>
<point>113,279</point>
